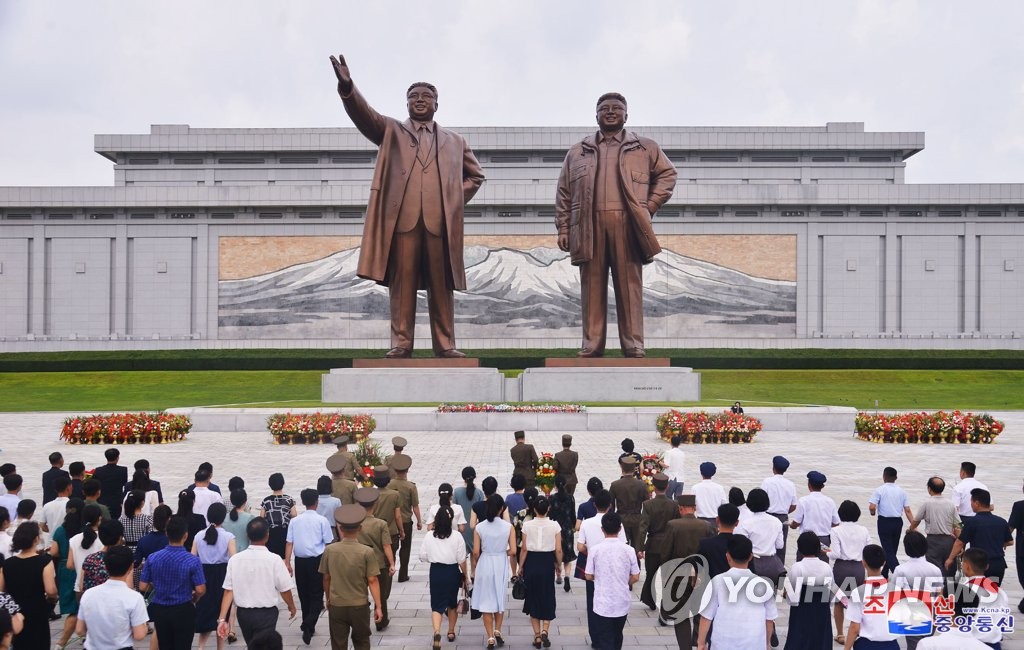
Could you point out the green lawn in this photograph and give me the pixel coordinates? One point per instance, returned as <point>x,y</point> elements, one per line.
<point>894,389</point>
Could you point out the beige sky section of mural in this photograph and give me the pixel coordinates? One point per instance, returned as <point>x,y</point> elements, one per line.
<point>764,256</point>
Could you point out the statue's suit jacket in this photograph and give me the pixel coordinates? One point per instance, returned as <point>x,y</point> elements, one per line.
<point>458,168</point>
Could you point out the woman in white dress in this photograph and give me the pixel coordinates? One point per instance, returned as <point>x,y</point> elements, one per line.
<point>494,542</point>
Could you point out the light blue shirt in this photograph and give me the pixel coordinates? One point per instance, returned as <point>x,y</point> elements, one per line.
<point>890,500</point>
<point>309,533</point>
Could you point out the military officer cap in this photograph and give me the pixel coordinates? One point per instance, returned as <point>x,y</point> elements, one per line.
<point>401,463</point>
<point>336,464</point>
<point>816,477</point>
<point>341,440</point>
<point>566,440</point>
<point>708,469</point>
<point>350,516</point>
<point>399,441</point>
<point>381,470</point>
<point>660,480</point>
<point>366,496</point>
<point>520,435</point>
<point>687,500</point>
<point>780,463</point>
<point>627,462</point>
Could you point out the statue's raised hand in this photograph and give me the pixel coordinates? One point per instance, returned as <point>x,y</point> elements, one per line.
<point>342,73</point>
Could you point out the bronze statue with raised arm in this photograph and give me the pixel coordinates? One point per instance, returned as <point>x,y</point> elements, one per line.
<point>611,185</point>
<point>413,235</point>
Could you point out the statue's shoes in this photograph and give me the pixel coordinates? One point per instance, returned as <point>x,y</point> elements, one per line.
<point>635,353</point>
<point>452,354</point>
<point>587,353</point>
<point>398,353</point>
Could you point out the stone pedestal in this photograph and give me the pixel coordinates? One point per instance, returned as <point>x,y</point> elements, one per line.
<point>610,383</point>
<point>603,362</point>
<point>439,382</point>
<point>425,362</point>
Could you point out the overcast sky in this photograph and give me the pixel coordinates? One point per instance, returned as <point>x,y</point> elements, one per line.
<point>955,70</point>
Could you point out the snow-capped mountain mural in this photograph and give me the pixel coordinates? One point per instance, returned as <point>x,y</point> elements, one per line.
<point>532,293</point>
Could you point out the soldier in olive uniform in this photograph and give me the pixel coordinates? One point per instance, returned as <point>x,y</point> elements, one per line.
<point>654,517</point>
<point>399,443</point>
<point>524,459</point>
<point>388,505</point>
<point>566,462</point>
<point>349,568</point>
<point>374,533</point>
<point>409,505</point>
<point>682,539</point>
<point>342,488</point>
<point>351,469</point>
<point>628,495</point>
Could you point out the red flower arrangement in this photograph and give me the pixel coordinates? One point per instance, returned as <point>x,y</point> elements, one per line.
<point>702,427</point>
<point>291,428</point>
<point>510,408</point>
<point>125,428</point>
<point>545,475</point>
<point>650,465</point>
<point>953,427</point>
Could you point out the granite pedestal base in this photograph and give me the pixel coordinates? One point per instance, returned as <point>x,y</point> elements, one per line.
<point>610,384</point>
<point>435,385</point>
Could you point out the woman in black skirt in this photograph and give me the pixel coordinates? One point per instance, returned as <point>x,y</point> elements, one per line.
<point>540,556</point>
<point>446,554</point>
<point>28,577</point>
<point>563,512</point>
<point>809,588</point>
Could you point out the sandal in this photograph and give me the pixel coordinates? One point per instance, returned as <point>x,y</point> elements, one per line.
<point>436,645</point>
<point>498,637</point>
<point>451,637</point>
<point>544,639</point>
<point>490,643</point>
<point>536,641</point>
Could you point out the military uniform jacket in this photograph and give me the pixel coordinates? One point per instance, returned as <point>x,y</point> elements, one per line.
<point>682,537</point>
<point>350,565</point>
<point>566,462</point>
<point>387,501</point>
<point>410,497</point>
<point>654,518</point>
<point>390,462</point>
<point>628,495</point>
<point>351,471</point>
<point>375,534</point>
<point>525,460</point>
<point>344,489</point>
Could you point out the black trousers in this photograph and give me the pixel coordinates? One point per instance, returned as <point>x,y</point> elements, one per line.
<point>889,529</point>
<point>609,636</point>
<point>174,624</point>
<point>310,585</point>
<point>404,550</point>
<point>593,627</point>
<point>277,540</point>
<point>652,562</point>
<point>253,620</point>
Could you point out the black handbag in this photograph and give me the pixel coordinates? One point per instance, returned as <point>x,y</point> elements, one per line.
<point>519,588</point>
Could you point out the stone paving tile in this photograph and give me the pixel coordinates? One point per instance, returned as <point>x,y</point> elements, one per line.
<point>854,469</point>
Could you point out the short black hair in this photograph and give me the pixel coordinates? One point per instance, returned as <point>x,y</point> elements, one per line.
<point>177,529</point>
<point>268,639</point>
<point>206,465</point>
<point>26,508</point>
<point>142,463</point>
<point>236,483</point>
<point>984,497</point>
<point>518,482</point>
<point>736,496</point>
<point>276,481</point>
<point>889,474</point>
<point>55,458</point>
<point>617,96</point>
<point>110,532</point>
<point>112,454</point>
<point>758,501</point>
<point>489,485</point>
<point>593,485</point>
<point>13,482</point>
<point>676,440</point>
<point>61,483</point>
<point>603,499</point>
<point>849,511</point>
<point>91,487</point>
<point>968,468</point>
<point>421,84</point>
<point>728,514</point>
<point>309,497</point>
<point>9,468</point>
<point>936,484</point>
<point>119,560</point>
<point>915,544</point>
<point>874,556</point>
<point>202,476</point>
<point>628,445</point>
<point>76,468</point>
<point>257,530</point>
<point>808,544</point>
<point>611,523</point>
<point>739,547</point>
<point>977,557</point>
<point>324,485</point>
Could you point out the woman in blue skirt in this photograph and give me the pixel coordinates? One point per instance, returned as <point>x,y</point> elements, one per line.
<point>446,554</point>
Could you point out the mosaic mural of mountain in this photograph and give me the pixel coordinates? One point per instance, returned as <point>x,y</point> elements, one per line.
<point>530,293</point>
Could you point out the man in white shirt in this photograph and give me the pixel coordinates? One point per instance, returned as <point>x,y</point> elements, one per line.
<point>709,495</point>
<point>962,490</point>
<point>12,483</point>
<point>256,580</point>
<point>983,595</point>
<point>307,536</point>
<point>613,567</point>
<point>675,459</point>
<point>55,511</point>
<point>781,498</point>
<point>205,497</point>
<point>112,614</point>
<point>815,511</point>
<point>869,606</point>
<point>917,573</point>
<point>742,605</point>
<point>592,535</point>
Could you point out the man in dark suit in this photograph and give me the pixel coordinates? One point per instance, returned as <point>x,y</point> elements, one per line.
<point>566,462</point>
<point>50,475</point>
<point>524,459</point>
<point>413,234</point>
<point>682,539</point>
<point>112,478</point>
<point>713,548</point>
<point>77,469</point>
<point>655,514</point>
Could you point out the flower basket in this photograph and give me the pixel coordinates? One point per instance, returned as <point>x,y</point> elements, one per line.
<point>318,428</point>
<point>941,427</point>
<point>700,427</point>
<point>511,408</point>
<point>545,476</point>
<point>650,465</point>
<point>368,455</point>
<point>125,429</point>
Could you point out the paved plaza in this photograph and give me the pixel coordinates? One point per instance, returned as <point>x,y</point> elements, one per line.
<point>853,467</point>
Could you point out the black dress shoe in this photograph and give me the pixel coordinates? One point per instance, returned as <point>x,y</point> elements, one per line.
<point>452,354</point>
<point>307,636</point>
<point>398,353</point>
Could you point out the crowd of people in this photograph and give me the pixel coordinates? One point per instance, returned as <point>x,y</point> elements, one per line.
<point>105,552</point>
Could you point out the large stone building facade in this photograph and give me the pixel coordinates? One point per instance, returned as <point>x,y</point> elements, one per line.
<point>775,237</point>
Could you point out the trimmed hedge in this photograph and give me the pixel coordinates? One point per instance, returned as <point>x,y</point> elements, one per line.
<point>511,359</point>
